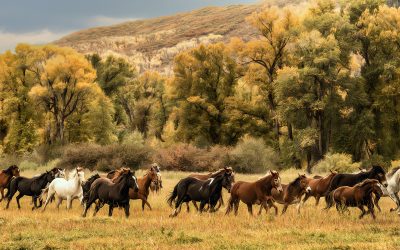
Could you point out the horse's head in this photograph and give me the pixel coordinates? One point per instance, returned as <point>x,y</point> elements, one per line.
<point>80,173</point>
<point>303,183</point>
<point>228,180</point>
<point>153,174</point>
<point>49,176</point>
<point>378,173</point>
<point>15,170</point>
<point>276,181</point>
<point>156,167</point>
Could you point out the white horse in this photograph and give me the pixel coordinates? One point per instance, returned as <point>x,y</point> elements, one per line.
<point>393,188</point>
<point>66,189</point>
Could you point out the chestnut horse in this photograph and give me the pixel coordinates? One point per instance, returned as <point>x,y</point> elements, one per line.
<point>143,183</point>
<point>5,178</point>
<point>291,194</point>
<point>203,177</point>
<point>359,196</point>
<point>318,186</point>
<point>251,193</point>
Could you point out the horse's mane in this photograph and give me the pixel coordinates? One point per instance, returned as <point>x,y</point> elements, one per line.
<point>218,172</point>
<point>294,181</point>
<point>378,168</point>
<point>364,182</point>
<point>393,171</point>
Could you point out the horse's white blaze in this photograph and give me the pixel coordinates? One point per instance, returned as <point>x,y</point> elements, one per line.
<point>308,189</point>
<point>212,179</point>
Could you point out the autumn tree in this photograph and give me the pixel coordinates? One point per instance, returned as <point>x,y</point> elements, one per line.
<point>66,82</point>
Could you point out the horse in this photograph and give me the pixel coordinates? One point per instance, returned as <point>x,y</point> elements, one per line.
<point>193,189</point>
<point>29,187</point>
<point>251,193</point>
<point>291,194</point>
<point>318,186</point>
<point>359,195</point>
<point>376,172</point>
<point>204,177</point>
<point>64,189</point>
<point>86,186</point>
<point>114,194</point>
<point>392,189</point>
<point>144,186</point>
<point>5,178</point>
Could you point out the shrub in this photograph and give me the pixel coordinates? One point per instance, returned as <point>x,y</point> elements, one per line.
<point>342,163</point>
<point>252,155</point>
<point>186,157</point>
<point>104,158</point>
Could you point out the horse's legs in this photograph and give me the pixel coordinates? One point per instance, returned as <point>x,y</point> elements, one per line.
<point>236,206</point>
<point>396,198</point>
<point>250,209</point>
<point>202,204</point>
<point>2,193</point>
<point>317,199</point>
<point>97,208</point>
<point>145,202</point>
<point>127,210</point>
<point>19,196</point>
<point>371,209</point>
<point>376,201</point>
<point>110,210</point>
<point>195,205</point>
<point>361,207</point>
<point>187,207</point>
<point>306,197</point>
<point>285,208</point>
<point>69,202</point>
<point>59,200</point>
<point>49,196</point>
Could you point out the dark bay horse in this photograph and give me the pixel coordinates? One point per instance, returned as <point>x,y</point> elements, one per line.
<point>86,186</point>
<point>114,194</point>
<point>143,183</point>
<point>319,186</point>
<point>193,189</point>
<point>29,187</point>
<point>376,172</point>
<point>359,195</point>
<point>251,193</point>
<point>5,178</point>
<point>204,177</point>
<point>291,194</point>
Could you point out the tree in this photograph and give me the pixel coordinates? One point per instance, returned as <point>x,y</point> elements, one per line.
<point>65,82</point>
<point>17,113</point>
<point>204,78</point>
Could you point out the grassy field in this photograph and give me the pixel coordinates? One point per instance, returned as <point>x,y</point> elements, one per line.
<point>312,229</point>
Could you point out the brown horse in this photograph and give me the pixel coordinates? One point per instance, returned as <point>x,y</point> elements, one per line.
<point>5,178</point>
<point>359,196</point>
<point>318,186</point>
<point>291,195</point>
<point>251,193</point>
<point>203,177</point>
<point>143,183</point>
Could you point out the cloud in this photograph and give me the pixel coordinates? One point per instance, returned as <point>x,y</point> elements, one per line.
<point>105,20</point>
<point>9,40</point>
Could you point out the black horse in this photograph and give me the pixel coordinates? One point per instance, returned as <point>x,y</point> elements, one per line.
<point>205,191</point>
<point>376,172</point>
<point>114,194</point>
<point>29,187</point>
<point>86,186</point>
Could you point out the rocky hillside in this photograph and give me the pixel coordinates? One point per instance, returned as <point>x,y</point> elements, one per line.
<point>153,43</point>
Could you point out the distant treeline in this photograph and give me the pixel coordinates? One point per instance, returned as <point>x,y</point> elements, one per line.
<point>322,80</point>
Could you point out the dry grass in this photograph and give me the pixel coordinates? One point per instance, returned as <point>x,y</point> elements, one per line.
<point>312,229</point>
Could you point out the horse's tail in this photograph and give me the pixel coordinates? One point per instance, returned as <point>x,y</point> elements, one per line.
<point>43,194</point>
<point>12,188</point>
<point>230,206</point>
<point>8,187</point>
<point>332,186</point>
<point>231,201</point>
<point>329,200</point>
<point>173,195</point>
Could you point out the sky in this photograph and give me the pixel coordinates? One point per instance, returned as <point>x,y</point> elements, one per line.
<point>42,21</point>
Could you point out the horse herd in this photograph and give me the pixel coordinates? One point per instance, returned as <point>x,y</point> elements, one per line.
<point>118,187</point>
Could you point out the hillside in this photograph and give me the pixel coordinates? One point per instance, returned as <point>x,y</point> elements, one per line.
<point>152,43</point>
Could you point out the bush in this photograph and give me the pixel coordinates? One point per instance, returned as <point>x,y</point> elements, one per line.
<point>251,155</point>
<point>186,157</point>
<point>104,158</point>
<point>342,163</point>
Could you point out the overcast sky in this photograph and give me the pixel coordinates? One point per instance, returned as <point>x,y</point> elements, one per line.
<point>41,21</point>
